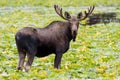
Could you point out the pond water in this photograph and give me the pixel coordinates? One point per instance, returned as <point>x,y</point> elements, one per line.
<point>28,8</point>
<point>73,10</point>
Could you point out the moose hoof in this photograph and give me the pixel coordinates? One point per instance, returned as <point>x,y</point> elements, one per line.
<point>27,68</point>
<point>19,68</point>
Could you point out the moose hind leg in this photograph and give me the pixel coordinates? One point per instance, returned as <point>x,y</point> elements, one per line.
<point>21,60</point>
<point>29,62</point>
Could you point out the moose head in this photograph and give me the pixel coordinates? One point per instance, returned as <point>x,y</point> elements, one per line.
<point>73,20</point>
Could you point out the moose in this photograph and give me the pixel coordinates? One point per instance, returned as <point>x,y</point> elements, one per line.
<point>53,39</point>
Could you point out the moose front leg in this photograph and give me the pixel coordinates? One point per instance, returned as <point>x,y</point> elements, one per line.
<point>57,60</point>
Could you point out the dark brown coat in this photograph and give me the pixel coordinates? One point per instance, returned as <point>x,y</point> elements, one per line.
<point>54,38</point>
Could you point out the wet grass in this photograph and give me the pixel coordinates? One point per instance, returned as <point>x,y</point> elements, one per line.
<point>49,3</point>
<point>94,55</point>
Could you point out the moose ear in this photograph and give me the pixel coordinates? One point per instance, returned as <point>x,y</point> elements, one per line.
<point>79,16</point>
<point>67,15</point>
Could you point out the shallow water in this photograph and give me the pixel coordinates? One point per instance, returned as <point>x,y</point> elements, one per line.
<point>46,11</point>
<point>28,8</point>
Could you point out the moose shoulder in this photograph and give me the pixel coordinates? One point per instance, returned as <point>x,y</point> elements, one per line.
<point>54,38</point>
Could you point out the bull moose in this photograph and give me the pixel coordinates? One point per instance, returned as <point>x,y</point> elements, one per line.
<point>54,38</point>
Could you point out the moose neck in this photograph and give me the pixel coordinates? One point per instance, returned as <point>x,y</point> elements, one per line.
<point>60,29</point>
<point>69,34</point>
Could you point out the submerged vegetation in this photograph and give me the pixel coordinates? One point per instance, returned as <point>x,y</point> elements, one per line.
<point>94,55</point>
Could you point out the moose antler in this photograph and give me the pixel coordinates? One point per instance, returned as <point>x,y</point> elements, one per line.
<point>90,10</point>
<point>59,11</point>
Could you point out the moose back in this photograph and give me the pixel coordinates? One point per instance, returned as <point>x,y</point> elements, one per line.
<point>54,38</point>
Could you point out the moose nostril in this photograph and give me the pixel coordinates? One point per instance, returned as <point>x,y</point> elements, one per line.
<point>75,32</point>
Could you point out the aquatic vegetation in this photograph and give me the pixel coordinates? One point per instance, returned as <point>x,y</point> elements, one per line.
<point>94,55</point>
